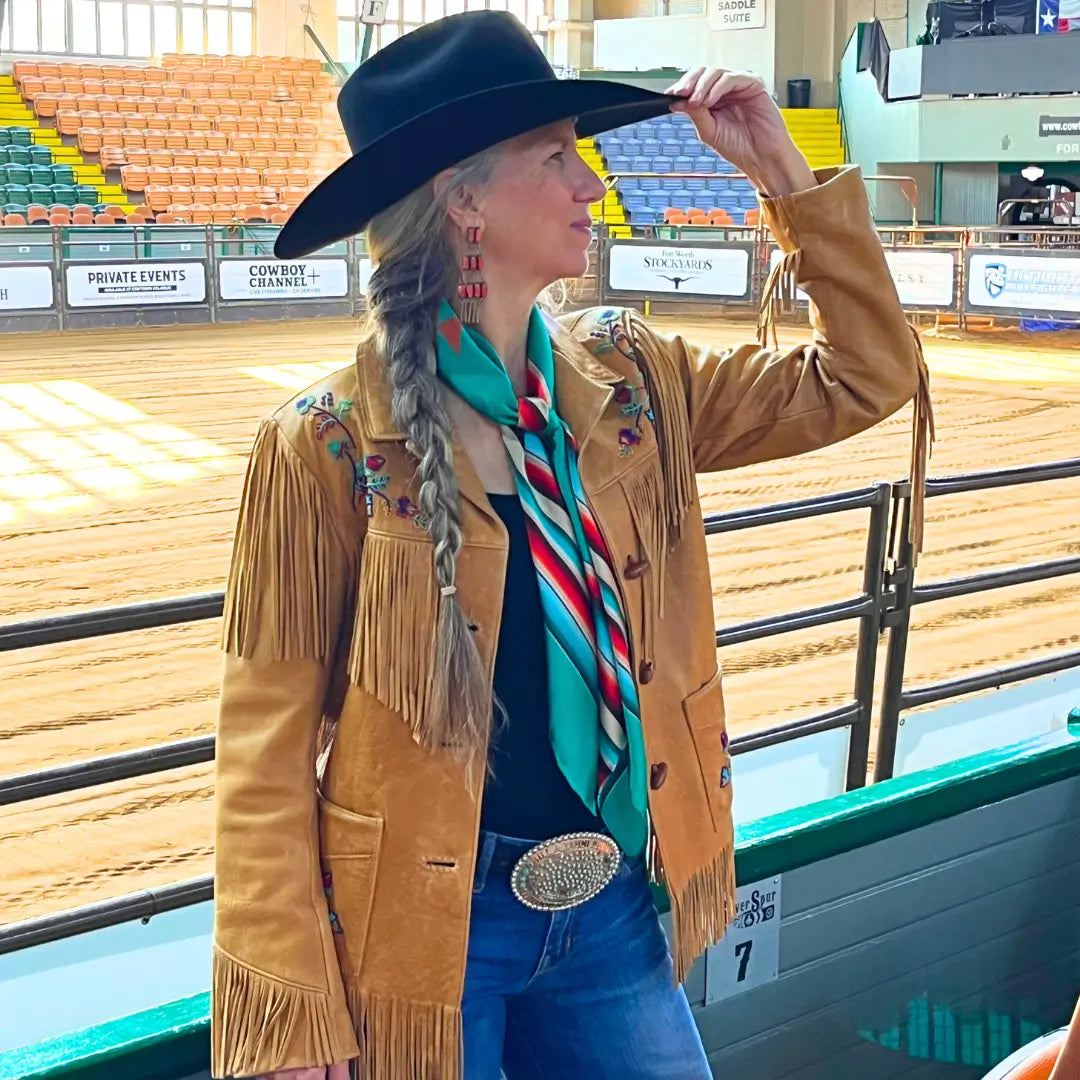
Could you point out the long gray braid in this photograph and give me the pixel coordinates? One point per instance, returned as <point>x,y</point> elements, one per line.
<point>416,268</point>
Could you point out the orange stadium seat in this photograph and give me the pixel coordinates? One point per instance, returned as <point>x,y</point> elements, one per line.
<point>14,219</point>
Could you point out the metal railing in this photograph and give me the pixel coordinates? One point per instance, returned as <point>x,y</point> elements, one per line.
<point>884,605</point>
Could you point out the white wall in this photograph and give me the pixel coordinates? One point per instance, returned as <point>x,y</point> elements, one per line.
<point>684,41</point>
<point>680,41</point>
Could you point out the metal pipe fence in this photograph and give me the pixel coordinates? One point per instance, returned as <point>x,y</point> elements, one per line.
<point>884,605</point>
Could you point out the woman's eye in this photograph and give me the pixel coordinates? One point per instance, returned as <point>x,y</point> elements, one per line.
<point>558,155</point>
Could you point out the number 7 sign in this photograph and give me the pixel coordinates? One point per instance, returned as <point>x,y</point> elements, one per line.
<point>749,954</point>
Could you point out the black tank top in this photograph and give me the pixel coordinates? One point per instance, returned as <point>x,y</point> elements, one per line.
<point>529,797</point>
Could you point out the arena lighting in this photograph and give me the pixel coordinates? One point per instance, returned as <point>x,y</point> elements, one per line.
<point>1031,173</point>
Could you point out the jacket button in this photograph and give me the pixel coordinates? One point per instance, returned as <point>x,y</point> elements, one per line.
<point>645,672</point>
<point>657,775</point>
<point>635,568</point>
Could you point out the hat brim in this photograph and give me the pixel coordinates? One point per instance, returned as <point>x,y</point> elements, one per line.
<point>407,157</point>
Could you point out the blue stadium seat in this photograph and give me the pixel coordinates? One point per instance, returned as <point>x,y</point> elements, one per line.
<point>650,184</point>
<point>705,164</point>
<point>631,146</point>
<point>642,217</point>
<point>658,200</point>
<point>682,199</point>
<point>695,185</point>
<point>661,165</point>
<point>650,147</point>
<point>671,149</point>
<point>619,164</point>
<point>641,164</point>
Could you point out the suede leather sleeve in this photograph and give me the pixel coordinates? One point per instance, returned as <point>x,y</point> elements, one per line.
<point>750,404</point>
<point>278,997</point>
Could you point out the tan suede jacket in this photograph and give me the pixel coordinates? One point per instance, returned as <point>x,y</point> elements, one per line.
<point>342,906</point>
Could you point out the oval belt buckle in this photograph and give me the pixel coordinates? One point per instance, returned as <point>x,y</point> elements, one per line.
<point>565,871</point>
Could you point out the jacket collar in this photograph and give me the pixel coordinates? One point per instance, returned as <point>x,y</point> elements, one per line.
<point>582,387</point>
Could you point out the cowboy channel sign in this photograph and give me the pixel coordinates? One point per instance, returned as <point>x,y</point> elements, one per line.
<point>748,955</point>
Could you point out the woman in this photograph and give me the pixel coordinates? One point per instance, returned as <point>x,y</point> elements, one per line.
<point>470,584</point>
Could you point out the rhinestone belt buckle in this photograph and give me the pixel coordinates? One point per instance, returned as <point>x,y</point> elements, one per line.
<point>565,871</point>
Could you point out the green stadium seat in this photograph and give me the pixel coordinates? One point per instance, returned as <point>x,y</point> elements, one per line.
<point>18,155</point>
<point>15,207</point>
<point>63,174</point>
<point>64,194</point>
<point>5,136</point>
<point>86,193</point>
<point>41,174</point>
<point>41,193</point>
<point>20,136</point>
<point>17,174</point>
<point>17,193</point>
<point>40,155</point>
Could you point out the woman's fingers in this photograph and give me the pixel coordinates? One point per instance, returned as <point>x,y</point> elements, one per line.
<point>703,91</point>
<point>732,84</point>
<point>685,86</point>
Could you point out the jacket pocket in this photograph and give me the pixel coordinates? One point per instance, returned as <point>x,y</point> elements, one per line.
<point>349,856</point>
<point>704,711</point>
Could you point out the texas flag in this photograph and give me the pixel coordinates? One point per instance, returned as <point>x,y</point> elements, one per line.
<point>1057,16</point>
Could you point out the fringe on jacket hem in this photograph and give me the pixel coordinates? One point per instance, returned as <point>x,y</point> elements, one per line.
<point>701,910</point>
<point>405,1040</point>
<point>255,1022</point>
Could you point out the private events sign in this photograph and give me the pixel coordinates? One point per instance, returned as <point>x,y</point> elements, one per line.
<point>736,14</point>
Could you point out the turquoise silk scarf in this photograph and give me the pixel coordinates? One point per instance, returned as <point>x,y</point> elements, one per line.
<point>595,723</point>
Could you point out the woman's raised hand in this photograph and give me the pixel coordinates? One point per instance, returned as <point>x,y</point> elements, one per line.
<point>735,114</point>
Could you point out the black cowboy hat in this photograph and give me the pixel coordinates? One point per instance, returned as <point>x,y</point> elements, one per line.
<point>436,96</point>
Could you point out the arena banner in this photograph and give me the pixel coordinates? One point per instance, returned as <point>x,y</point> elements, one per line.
<point>924,279</point>
<point>271,279</point>
<point>134,284</point>
<point>695,271</point>
<point>26,288</point>
<point>1023,283</point>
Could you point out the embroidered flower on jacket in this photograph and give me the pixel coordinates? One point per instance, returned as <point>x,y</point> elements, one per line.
<point>376,483</point>
<point>725,776</point>
<point>328,887</point>
<point>633,400</point>
<point>369,482</point>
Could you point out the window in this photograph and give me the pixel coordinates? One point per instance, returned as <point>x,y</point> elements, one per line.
<point>139,29</point>
<point>405,15</point>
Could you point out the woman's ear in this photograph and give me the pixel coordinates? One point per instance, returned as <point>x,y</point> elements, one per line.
<point>461,203</point>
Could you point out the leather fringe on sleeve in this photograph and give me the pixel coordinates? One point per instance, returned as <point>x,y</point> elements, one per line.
<point>286,560</point>
<point>922,445</point>
<point>256,1019</point>
<point>397,616</point>
<point>667,394</point>
<point>779,298</point>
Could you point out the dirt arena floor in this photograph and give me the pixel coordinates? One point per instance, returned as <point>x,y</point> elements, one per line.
<point>121,460</point>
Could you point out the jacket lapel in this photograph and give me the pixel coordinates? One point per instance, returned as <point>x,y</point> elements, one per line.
<point>583,390</point>
<point>374,394</point>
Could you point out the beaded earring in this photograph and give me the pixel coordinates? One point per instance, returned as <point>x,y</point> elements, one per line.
<point>472,288</point>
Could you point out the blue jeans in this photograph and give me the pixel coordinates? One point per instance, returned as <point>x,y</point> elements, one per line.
<point>582,994</point>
